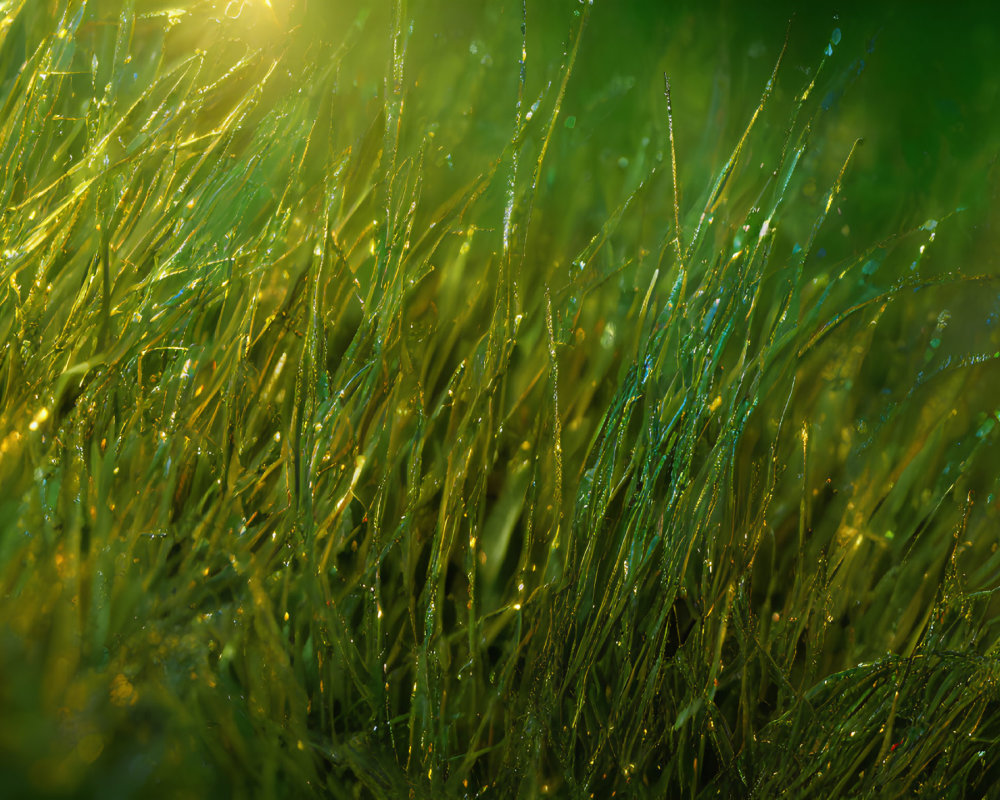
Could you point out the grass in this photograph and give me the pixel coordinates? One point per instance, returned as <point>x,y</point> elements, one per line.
<point>383,415</point>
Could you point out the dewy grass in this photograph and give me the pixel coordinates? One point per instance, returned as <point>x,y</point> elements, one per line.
<point>365,431</point>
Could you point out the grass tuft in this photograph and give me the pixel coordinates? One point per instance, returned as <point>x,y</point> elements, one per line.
<point>411,402</point>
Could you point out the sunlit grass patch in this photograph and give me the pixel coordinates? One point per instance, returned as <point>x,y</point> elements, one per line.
<point>381,416</point>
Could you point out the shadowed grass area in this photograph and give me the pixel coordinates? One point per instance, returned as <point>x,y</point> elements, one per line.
<point>399,400</point>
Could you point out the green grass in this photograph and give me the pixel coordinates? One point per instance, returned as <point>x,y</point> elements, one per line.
<point>384,416</point>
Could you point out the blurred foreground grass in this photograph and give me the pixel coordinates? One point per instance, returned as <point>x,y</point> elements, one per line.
<point>383,414</point>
